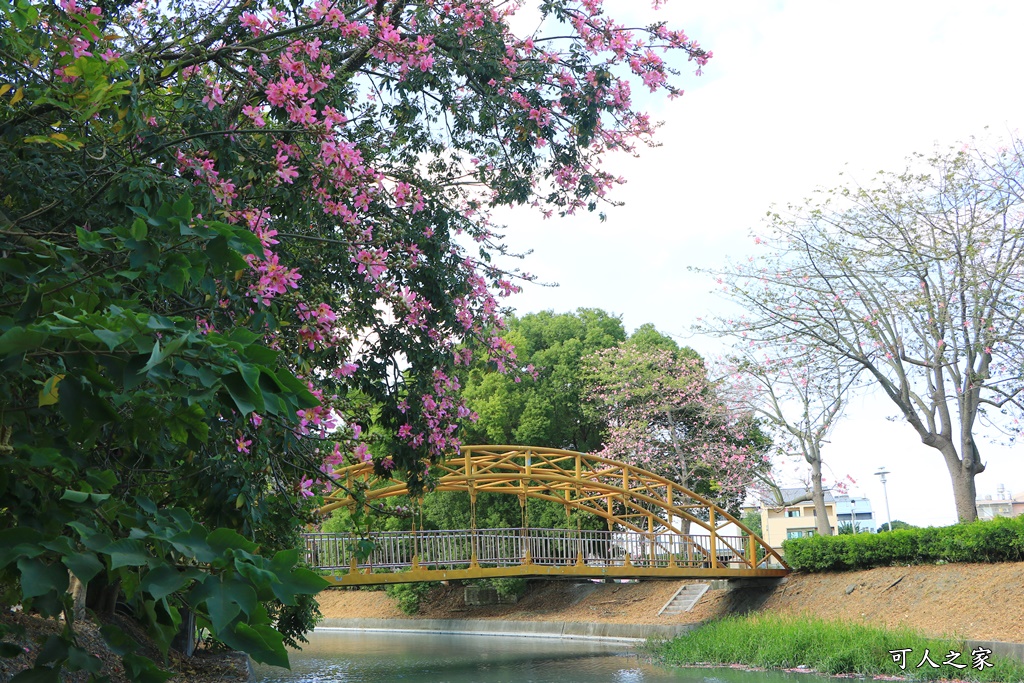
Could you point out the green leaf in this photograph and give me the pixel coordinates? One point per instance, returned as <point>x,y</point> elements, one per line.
<point>155,357</point>
<point>50,458</point>
<point>183,208</point>
<point>284,560</point>
<point>262,643</point>
<point>75,496</point>
<point>250,374</point>
<point>54,650</point>
<point>40,674</point>
<point>127,552</point>
<point>8,650</point>
<point>262,579</point>
<point>143,670</point>
<point>261,355</point>
<point>225,596</point>
<point>85,566</point>
<point>224,538</point>
<point>246,400</point>
<point>40,578</point>
<point>120,643</point>
<point>192,543</point>
<point>163,581</point>
<point>49,395</point>
<point>174,278</point>
<point>79,659</point>
<point>139,229</point>
<point>112,339</point>
<point>159,323</point>
<point>223,257</point>
<point>300,581</point>
<point>142,253</point>
<point>90,241</point>
<point>19,340</point>
<point>104,480</point>
<point>305,399</point>
<point>17,543</point>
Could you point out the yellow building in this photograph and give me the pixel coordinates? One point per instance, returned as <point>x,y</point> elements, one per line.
<point>795,521</point>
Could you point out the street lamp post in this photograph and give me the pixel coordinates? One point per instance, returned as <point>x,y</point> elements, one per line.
<point>881,473</point>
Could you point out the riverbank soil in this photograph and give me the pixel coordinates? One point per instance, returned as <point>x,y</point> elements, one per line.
<point>973,601</point>
<point>204,667</point>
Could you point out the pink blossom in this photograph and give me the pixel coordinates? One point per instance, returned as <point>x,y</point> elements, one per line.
<point>345,370</point>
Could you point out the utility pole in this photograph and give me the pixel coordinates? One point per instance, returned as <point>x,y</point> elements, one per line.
<point>881,473</point>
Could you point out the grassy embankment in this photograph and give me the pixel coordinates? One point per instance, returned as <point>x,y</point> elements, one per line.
<point>829,647</point>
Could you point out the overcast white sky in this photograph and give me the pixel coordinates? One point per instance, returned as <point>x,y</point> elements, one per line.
<point>796,91</point>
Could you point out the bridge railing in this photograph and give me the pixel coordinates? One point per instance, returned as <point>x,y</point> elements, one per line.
<point>514,547</point>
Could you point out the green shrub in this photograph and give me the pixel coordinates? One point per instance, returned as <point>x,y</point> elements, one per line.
<point>999,540</point>
<point>409,595</point>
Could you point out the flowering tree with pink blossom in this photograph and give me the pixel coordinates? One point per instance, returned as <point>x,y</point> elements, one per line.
<point>915,282</point>
<point>240,242</point>
<point>798,399</point>
<point>665,416</point>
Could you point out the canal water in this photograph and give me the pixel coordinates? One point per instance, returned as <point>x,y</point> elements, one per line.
<point>380,657</point>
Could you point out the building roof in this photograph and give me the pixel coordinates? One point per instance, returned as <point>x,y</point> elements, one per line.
<point>788,493</point>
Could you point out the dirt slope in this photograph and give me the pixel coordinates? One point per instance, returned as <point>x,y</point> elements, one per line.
<point>979,601</point>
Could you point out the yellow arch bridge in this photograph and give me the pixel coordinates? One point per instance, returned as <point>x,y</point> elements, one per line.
<point>656,528</point>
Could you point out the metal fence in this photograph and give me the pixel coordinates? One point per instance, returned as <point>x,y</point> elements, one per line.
<point>513,547</point>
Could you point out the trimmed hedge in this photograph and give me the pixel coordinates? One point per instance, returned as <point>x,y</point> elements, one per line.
<point>999,540</point>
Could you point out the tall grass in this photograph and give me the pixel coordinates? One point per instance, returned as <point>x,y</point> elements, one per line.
<point>830,647</point>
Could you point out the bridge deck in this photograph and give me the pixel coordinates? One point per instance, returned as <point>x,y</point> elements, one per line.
<point>406,557</point>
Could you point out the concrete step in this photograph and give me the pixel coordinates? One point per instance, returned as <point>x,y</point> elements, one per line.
<point>684,599</point>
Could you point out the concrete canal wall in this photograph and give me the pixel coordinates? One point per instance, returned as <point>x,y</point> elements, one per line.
<point>496,627</point>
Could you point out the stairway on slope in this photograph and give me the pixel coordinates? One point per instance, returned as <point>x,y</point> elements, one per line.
<point>684,599</point>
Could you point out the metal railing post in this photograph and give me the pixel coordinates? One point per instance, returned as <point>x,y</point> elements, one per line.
<point>713,538</point>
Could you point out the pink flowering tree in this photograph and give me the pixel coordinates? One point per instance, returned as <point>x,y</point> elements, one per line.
<point>665,416</point>
<point>798,401</point>
<point>240,242</point>
<point>915,282</point>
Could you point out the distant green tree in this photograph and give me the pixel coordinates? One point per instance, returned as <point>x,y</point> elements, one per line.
<point>548,410</point>
<point>896,526</point>
<point>544,411</point>
<point>752,520</point>
<point>451,510</point>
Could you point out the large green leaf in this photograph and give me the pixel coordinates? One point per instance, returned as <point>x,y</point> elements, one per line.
<point>246,400</point>
<point>39,578</point>
<point>19,340</point>
<point>293,580</point>
<point>83,565</point>
<point>261,642</point>
<point>162,581</point>
<point>42,674</point>
<point>225,596</point>
<point>223,539</point>
<point>19,542</point>
<point>128,552</point>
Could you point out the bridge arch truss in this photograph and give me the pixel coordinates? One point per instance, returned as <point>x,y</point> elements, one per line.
<point>656,528</point>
